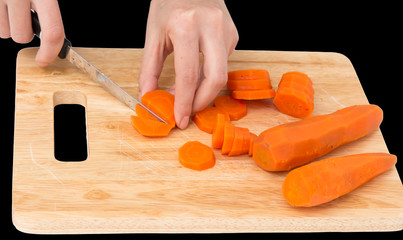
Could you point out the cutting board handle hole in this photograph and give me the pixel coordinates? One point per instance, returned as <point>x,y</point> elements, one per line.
<point>70,126</point>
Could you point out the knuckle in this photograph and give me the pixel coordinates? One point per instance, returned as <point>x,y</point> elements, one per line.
<point>218,79</point>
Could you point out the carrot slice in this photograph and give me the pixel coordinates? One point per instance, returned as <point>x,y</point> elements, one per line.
<point>161,103</point>
<point>295,95</point>
<point>254,84</point>
<point>322,181</point>
<point>229,132</point>
<point>248,74</point>
<point>251,142</point>
<point>150,127</point>
<point>196,155</point>
<point>253,94</point>
<point>238,146</point>
<point>143,113</point>
<point>218,131</point>
<point>235,108</point>
<point>207,118</point>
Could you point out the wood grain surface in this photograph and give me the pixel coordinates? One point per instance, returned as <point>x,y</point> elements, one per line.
<point>131,183</point>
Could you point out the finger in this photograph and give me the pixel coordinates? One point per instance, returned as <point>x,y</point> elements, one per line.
<point>4,23</point>
<point>19,13</point>
<point>186,77</point>
<point>152,64</point>
<point>215,74</point>
<point>52,31</point>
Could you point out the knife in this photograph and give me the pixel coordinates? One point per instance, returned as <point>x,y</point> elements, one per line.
<point>67,52</point>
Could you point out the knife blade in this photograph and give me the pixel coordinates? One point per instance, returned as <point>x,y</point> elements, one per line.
<point>67,52</point>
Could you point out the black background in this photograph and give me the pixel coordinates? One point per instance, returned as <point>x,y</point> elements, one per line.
<point>369,35</point>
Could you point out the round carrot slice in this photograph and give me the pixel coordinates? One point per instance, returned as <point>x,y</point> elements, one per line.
<point>235,108</point>
<point>196,155</point>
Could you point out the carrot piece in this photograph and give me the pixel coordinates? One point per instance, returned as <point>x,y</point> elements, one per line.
<point>248,74</point>
<point>289,145</point>
<point>240,135</point>
<point>254,84</point>
<point>161,103</point>
<point>196,155</point>
<point>207,118</point>
<point>150,127</point>
<point>218,131</point>
<point>295,95</point>
<point>235,108</point>
<point>229,134</point>
<point>325,180</point>
<point>251,142</point>
<point>253,94</point>
<point>143,113</point>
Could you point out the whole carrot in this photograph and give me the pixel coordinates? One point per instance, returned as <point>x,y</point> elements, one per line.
<point>325,180</point>
<point>289,145</point>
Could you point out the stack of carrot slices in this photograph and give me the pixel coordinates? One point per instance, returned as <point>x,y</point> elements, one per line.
<point>161,103</point>
<point>232,140</point>
<point>295,95</point>
<point>250,84</point>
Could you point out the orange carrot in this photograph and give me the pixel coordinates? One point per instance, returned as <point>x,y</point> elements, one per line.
<point>254,84</point>
<point>248,74</point>
<point>229,134</point>
<point>143,113</point>
<point>218,131</point>
<point>294,95</point>
<point>235,108</point>
<point>207,118</point>
<point>251,142</point>
<point>253,94</point>
<point>325,180</point>
<point>241,135</point>
<point>161,103</point>
<point>289,145</point>
<point>150,127</point>
<point>196,156</point>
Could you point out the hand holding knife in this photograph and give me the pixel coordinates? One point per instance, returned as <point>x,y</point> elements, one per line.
<point>72,56</point>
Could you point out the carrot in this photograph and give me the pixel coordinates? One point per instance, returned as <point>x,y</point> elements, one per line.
<point>196,156</point>
<point>235,108</point>
<point>207,118</point>
<point>251,142</point>
<point>254,84</point>
<point>229,134</point>
<point>325,180</point>
<point>161,103</point>
<point>248,74</point>
<point>143,113</point>
<point>218,131</point>
<point>289,145</point>
<point>295,95</point>
<point>241,135</point>
<point>150,127</point>
<point>253,94</point>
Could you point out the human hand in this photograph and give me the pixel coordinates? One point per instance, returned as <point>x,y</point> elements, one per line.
<point>15,22</point>
<point>188,27</point>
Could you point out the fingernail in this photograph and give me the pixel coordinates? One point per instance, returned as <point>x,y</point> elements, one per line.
<point>184,122</point>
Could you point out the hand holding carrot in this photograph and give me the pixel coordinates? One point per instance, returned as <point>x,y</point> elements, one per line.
<point>15,22</point>
<point>188,27</point>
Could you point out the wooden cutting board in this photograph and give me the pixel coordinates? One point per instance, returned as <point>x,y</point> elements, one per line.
<point>131,183</point>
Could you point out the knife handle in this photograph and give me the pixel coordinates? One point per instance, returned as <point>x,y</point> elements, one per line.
<point>36,28</point>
